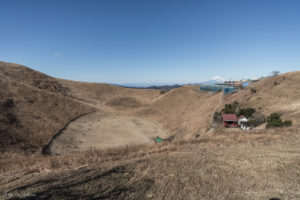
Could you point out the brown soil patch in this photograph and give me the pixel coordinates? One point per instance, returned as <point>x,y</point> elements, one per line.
<point>101,131</point>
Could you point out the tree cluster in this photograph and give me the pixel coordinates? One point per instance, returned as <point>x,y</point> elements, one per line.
<point>274,121</point>
<point>254,118</point>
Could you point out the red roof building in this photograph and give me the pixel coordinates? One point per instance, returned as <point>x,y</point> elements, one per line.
<point>230,120</point>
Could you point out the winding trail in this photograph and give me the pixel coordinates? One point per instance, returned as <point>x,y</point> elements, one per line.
<point>46,149</point>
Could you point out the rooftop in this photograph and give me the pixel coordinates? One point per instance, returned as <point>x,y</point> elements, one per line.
<point>229,117</point>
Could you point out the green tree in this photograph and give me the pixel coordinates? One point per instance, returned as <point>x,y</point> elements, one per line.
<point>231,108</point>
<point>247,112</point>
<point>274,121</point>
<point>275,73</point>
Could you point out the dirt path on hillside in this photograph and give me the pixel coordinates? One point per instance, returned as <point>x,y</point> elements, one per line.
<point>163,95</point>
<point>101,131</point>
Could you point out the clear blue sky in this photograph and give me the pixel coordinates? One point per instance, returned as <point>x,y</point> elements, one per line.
<point>151,41</point>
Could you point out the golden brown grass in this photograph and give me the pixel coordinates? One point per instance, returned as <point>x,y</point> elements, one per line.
<point>184,111</point>
<point>43,105</point>
<point>225,164</point>
<point>282,97</point>
<point>228,165</point>
<point>101,94</point>
<point>29,115</point>
<point>16,162</point>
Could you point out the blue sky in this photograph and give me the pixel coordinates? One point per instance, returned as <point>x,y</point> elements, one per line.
<point>151,41</point>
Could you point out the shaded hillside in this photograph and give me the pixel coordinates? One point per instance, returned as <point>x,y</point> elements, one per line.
<point>30,116</point>
<point>274,94</point>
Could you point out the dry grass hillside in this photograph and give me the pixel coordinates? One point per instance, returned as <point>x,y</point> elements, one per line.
<point>36,107</point>
<point>105,94</point>
<point>37,110</point>
<point>102,131</point>
<point>184,112</point>
<point>274,94</point>
<point>23,74</point>
<point>221,166</point>
<point>33,109</point>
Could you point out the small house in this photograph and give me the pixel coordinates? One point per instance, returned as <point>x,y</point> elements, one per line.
<point>230,120</point>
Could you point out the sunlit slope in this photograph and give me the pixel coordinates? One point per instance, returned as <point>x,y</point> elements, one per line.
<point>274,94</point>
<point>100,131</point>
<point>184,111</point>
<point>106,94</point>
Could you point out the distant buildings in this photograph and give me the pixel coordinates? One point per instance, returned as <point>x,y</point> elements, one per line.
<point>245,84</point>
<point>228,86</point>
<point>218,87</point>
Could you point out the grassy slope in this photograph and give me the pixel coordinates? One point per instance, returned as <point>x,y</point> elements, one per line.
<point>184,111</point>
<point>42,105</point>
<point>25,75</point>
<point>235,165</point>
<point>283,97</point>
<point>33,108</point>
<point>103,94</point>
<point>223,166</point>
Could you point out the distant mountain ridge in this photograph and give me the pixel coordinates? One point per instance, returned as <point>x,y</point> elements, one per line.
<point>213,81</point>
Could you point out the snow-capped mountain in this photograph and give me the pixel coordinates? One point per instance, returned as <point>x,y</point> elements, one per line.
<point>218,79</point>
<point>214,80</point>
